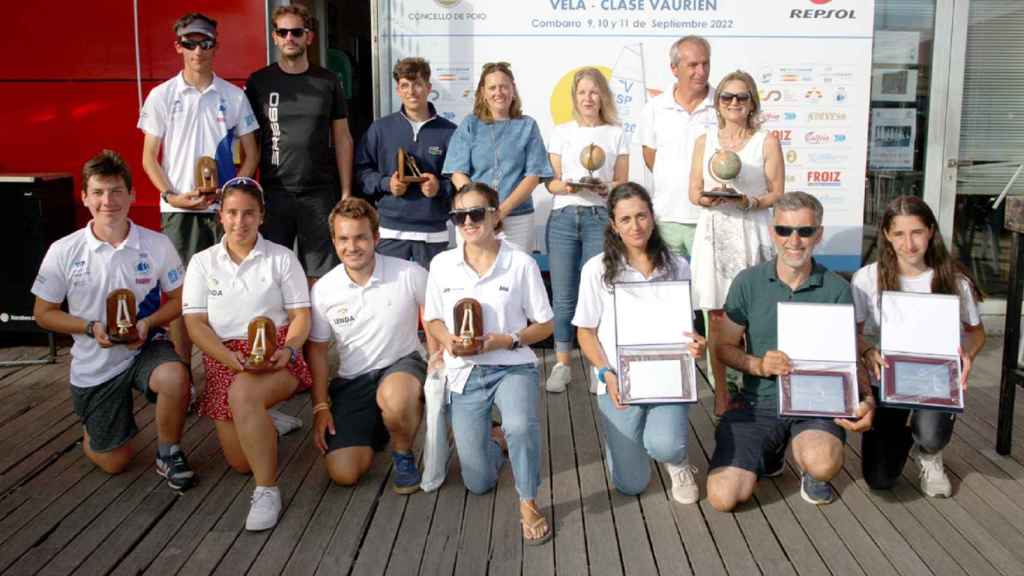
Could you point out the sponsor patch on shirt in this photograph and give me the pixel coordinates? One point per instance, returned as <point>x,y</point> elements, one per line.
<point>341,316</point>
<point>435,151</point>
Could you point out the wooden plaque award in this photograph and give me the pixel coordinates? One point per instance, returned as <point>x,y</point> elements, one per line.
<point>408,171</point>
<point>121,317</point>
<point>207,178</point>
<point>469,320</point>
<point>262,345</point>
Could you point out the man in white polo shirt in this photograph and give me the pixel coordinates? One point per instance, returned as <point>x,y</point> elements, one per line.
<point>112,253</point>
<point>195,114</point>
<point>371,303</point>
<point>670,124</point>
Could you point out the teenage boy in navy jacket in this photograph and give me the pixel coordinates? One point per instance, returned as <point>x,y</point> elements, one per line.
<point>413,217</point>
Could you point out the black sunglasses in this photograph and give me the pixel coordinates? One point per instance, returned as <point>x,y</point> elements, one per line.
<point>205,44</point>
<point>801,231</point>
<point>727,97</point>
<point>295,32</point>
<point>476,215</point>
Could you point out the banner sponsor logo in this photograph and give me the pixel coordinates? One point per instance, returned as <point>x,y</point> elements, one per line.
<point>824,178</point>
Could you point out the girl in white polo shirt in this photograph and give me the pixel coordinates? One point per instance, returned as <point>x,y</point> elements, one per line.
<point>633,252</point>
<point>911,258</point>
<point>226,286</point>
<point>508,286</point>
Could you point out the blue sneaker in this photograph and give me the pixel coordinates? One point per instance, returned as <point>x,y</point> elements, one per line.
<point>405,476</point>
<point>815,491</point>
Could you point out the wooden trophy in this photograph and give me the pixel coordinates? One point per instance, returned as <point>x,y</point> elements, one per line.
<point>262,345</point>
<point>121,317</point>
<point>592,157</point>
<point>469,320</point>
<point>207,178</point>
<point>408,171</point>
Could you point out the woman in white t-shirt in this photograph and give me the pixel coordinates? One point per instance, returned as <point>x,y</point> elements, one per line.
<point>575,231</point>
<point>515,314</point>
<point>912,258</point>
<point>633,252</point>
<point>732,234</point>
<point>226,287</point>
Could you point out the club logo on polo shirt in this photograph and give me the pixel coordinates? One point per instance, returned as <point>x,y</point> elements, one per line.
<point>435,151</point>
<point>142,270</point>
<point>79,273</point>
<point>213,287</point>
<point>174,274</point>
<point>340,316</point>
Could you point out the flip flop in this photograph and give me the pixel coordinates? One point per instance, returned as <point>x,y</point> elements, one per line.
<point>539,522</point>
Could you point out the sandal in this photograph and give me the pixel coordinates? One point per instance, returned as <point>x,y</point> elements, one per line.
<point>534,526</point>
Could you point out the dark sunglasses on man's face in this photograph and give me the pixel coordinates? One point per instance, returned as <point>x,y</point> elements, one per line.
<point>726,97</point>
<point>295,32</point>
<point>801,231</point>
<point>190,45</point>
<point>476,215</point>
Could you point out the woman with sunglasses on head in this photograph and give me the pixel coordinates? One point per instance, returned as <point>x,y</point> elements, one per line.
<point>578,215</point>
<point>498,145</point>
<point>515,314</point>
<point>226,287</point>
<point>732,233</point>
<point>912,257</point>
<point>633,252</point>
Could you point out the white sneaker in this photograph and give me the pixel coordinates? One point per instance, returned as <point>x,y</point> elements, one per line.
<point>559,378</point>
<point>283,423</point>
<point>934,482</point>
<point>684,485</point>
<point>264,508</point>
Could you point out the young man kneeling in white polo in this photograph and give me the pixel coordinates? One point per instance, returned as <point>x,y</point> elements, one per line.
<point>112,253</point>
<point>371,303</point>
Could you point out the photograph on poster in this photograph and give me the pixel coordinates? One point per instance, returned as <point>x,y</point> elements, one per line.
<point>893,133</point>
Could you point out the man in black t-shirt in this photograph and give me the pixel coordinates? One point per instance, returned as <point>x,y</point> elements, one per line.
<point>305,145</point>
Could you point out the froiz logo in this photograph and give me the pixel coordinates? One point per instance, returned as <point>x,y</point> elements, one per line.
<point>821,13</point>
<point>824,178</point>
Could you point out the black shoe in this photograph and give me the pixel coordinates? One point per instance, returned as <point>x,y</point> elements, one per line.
<point>175,468</point>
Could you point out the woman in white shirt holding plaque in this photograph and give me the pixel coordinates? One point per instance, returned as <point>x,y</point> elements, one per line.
<point>515,312</point>
<point>912,257</point>
<point>226,287</point>
<point>633,252</point>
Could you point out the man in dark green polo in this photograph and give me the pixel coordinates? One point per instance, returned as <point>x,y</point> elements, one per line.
<point>751,438</point>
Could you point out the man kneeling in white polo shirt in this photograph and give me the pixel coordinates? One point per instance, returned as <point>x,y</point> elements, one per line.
<point>371,303</point>
<point>108,254</point>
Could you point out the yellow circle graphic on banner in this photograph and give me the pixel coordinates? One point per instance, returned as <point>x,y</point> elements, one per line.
<point>561,96</point>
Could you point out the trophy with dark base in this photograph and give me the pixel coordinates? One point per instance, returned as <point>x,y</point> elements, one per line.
<point>469,320</point>
<point>408,171</point>
<point>121,317</point>
<point>262,345</point>
<point>206,176</point>
<point>724,166</point>
<point>592,157</point>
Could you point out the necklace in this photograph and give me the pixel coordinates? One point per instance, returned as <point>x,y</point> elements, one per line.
<point>499,173</point>
<point>735,142</point>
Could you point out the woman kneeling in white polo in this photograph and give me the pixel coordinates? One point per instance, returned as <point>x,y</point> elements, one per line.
<point>633,252</point>
<point>508,286</point>
<point>226,287</point>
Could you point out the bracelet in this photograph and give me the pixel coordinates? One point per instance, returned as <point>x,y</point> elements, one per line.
<point>291,359</point>
<point>321,406</point>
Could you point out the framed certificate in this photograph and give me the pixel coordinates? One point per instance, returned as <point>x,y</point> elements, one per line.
<point>920,343</point>
<point>821,342</point>
<point>654,365</point>
<point>818,393</point>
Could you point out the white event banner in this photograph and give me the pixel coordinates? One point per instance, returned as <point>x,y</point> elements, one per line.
<point>811,60</point>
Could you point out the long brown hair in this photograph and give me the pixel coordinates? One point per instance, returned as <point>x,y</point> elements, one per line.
<point>948,270</point>
<point>480,109</point>
<point>615,250</point>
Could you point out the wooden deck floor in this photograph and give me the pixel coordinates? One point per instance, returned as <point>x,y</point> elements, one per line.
<point>60,515</point>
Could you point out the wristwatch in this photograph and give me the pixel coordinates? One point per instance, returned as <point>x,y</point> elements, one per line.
<point>88,329</point>
<point>601,374</point>
<point>516,343</point>
<point>165,195</point>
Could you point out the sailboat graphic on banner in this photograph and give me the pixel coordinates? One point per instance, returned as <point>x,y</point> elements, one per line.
<point>629,87</point>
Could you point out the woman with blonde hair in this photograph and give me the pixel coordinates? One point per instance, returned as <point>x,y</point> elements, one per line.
<point>575,231</point>
<point>500,146</point>
<point>732,233</point>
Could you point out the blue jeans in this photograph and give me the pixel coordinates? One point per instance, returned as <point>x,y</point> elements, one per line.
<point>637,432</point>
<point>516,391</point>
<point>575,234</point>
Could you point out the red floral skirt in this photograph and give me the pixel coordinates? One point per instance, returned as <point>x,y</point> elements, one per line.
<point>214,400</point>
